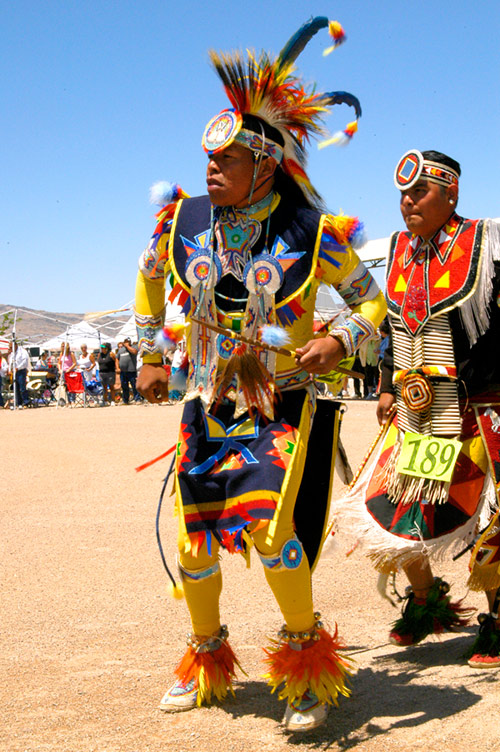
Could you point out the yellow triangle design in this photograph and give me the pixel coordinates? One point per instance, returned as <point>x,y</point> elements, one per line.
<point>215,430</point>
<point>400,284</point>
<point>443,281</point>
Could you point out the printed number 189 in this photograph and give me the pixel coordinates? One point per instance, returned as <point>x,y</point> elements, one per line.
<point>428,456</point>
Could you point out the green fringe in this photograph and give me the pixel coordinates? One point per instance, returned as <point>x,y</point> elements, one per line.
<point>487,641</point>
<point>434,616</point>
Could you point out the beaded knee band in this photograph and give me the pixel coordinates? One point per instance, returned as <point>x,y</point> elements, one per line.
<point>208,644</point>
<point>289,557</point>
<point>201,574</point>
<point>297,639</point>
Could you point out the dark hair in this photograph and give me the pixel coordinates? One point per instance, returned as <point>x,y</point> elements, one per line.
<point>290,191</point>
<point>440,158</point>
<point>254,123</point>
<point>385,326</point>
<point>283,183</point>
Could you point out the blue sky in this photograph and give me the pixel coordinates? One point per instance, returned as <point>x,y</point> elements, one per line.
<point>100,99</point>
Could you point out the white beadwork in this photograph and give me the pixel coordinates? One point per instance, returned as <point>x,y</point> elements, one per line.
<point>433,346</point>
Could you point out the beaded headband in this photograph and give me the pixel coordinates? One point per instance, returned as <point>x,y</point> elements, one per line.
<point>412,166</point>
<point>227,128</point>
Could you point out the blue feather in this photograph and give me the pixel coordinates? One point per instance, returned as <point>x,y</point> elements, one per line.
<point>342,97</point>
<point>298,41</point>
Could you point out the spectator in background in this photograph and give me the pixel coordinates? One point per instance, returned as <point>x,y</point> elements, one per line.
<point>42,363</point>
<point>360,368</point>
<point>4,368</point>
<point>385,338</point>
<point>67,360</point>
<point>19,363</point>
<point>86,363</point>
<point>370,383</point>
<point>127,360</point>
<point>108,368</point>
<point>67,364</point>
<point>52,376</point>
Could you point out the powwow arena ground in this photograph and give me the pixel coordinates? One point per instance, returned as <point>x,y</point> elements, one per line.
<point>90,634</point>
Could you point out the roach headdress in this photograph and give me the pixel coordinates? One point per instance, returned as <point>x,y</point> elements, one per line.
<point>273,112</point>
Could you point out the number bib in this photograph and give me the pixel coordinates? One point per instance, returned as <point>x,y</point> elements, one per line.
<point>428,456</point>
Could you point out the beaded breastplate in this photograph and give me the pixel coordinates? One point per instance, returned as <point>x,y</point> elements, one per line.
<point>425,278</point>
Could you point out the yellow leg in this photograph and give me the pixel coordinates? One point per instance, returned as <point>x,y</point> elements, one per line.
<point>202,595</point>
<point>291,587</point>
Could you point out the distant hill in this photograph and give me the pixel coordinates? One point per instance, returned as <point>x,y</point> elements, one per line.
<point>36,326</point>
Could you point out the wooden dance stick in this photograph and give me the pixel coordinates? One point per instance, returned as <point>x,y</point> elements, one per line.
<point>257,343</point>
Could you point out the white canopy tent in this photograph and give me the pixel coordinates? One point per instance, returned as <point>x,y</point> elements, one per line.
<point>76,335</point>
<point>374,252</point>
<point>328,304</point>
<point>127,330</point>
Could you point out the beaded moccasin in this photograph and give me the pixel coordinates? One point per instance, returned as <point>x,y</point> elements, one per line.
<point>205,673</point>
<point>307,670</point>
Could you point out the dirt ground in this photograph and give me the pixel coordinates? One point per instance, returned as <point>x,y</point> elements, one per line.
<point>90,634</point>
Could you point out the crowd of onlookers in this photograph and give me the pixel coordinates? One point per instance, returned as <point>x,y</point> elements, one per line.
<point>367,363</point>
<point>106,375</point>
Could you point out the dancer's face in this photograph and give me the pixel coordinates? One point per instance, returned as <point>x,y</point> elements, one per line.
<point>426,206</point>
<point>230,174</point>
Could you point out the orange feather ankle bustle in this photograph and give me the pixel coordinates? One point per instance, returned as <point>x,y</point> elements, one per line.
<point>317,667</point>
<point>212,670</point>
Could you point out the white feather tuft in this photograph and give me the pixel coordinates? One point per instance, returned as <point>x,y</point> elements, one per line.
<point>275,336</point>
<point>162,193</point>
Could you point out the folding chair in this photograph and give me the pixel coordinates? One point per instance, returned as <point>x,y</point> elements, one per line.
<point>75,387</point>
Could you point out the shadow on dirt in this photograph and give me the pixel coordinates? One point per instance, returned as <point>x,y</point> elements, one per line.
<point>397,692</point>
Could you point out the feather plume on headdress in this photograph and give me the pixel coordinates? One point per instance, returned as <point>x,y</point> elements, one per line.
<point>267,87</point>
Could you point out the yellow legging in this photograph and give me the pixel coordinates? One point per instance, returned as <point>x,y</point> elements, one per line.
<point>291,587</point>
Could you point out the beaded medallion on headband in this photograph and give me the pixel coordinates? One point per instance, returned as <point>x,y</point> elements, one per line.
<point>412,166</point>
<point>221,131</point>
<point>227,128</point>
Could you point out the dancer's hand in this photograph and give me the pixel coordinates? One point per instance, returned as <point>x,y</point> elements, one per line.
<point>152,383</point>
<point>320,355</point>
<point>385,403</point>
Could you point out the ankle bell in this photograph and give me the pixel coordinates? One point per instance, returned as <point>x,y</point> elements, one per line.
<point>301,640</point>
<point>210,643</point>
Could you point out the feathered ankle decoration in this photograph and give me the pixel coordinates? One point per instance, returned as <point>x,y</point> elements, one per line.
<point>211,662</point>
<point>485,650</point>
<point>433,614</point>
<point>307,661</point>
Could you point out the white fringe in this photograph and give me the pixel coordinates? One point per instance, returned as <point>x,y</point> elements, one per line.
<point>352,519</point>
<point>474,313</point>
